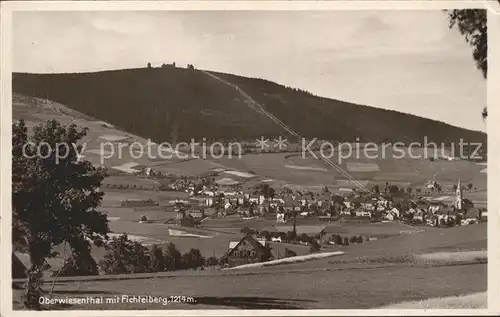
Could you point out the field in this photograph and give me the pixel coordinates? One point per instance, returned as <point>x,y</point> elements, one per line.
<point>340,282</point>
<point>309,171</point>
<point>359,288</point>
<point>472,301</point>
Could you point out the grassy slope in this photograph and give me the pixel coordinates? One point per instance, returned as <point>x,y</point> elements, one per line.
<point>177,103</point>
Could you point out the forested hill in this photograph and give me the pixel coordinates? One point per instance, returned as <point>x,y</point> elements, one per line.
<point>177,104</point>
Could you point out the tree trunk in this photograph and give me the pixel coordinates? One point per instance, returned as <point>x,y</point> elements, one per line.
<point>33,287</point>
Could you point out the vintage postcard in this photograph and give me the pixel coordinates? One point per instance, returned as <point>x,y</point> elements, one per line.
<point>250,158</point>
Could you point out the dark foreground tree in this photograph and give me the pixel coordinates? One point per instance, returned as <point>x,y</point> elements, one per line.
<point>472,23</point>
<point>54,201</point>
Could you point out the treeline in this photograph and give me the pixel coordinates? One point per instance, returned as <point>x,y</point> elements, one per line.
<point>124,256</point>
<point>314,116</point>
<point>176,104</point>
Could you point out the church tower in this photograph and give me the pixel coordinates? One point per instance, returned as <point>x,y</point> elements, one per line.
<point>458,198</point>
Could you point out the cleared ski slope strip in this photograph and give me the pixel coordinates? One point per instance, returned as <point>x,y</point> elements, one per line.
<point>287,129</point>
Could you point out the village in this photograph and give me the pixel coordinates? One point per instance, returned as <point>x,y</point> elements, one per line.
<point>389,203</point>
<point>312,219</point>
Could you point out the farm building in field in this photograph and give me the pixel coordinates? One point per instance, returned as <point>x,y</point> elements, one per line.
<point>247,250</point>
<point>139,203</point>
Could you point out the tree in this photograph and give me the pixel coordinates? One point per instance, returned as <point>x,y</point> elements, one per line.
<point>304,237</point>
<point>124,256</point>
<point>337,239</point>
<point>54,198</point>
<point>266,235</point>
<point>393,189</point>
<point>472,24</point>
<point>192,259</point>
<point>455,187</point>
<point>469,186</point>
<point>376,189</point>
<point>325,190</point>
<point>290,236</point>
<point>346,241</point>
<point>157,259</point>
<point>172,258</point>
<point>212,261</point>
<point>139,260</point>
<point>353,239</point>
<point>265,190</point>
<point>149,65</point>
<point>315,247</point>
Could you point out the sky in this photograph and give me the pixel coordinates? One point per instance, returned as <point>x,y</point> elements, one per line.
<point>409,61</point>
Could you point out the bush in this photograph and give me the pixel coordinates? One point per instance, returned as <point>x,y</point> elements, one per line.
<point>353,239</point>
<point>346,241</point>
<point>315,247</point>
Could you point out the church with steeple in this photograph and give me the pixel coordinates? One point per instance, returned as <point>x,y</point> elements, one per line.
<point>458,196</point>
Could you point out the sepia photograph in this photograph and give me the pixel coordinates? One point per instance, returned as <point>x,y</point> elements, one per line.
<point>246,159</point>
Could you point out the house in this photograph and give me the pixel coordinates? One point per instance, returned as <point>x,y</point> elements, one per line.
<point>240,199</point>
<point>264,207</point>
<point>419,215</point>
<point>288,204</point>
<point>345,212</point>
<point>434,208</point>
<point>181,214</point>
<point>256,199</point>
<point>392,214</point>
<point>139,203</point>
<point>484,215</point>
<point>209,201</point>
<point>278,200</point>
<point>209,193</point>
<point>280,217</point>
<point>363,213</point>
<point>368,206</point>
<point>195,212</point>
<point>244,211</point>
<point>247,250</point>
<point>345,192</point>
